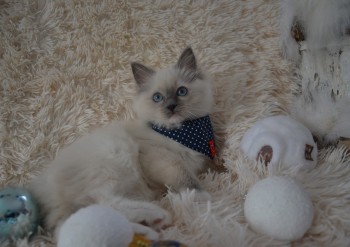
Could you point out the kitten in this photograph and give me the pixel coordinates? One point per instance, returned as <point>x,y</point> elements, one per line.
<point>127,165</point>
<point>169,99</point>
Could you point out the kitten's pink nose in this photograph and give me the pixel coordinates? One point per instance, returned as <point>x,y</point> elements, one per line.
<point>172,107</point>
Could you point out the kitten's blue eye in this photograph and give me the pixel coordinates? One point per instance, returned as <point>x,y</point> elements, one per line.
<point>181,91</point>
<point>157,97</point>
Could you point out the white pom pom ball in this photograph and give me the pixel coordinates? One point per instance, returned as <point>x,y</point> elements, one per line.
<point>279,207</point>
<point>95,225</point>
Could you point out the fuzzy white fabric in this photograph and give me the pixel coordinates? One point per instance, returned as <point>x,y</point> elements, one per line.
<point>65,68</point>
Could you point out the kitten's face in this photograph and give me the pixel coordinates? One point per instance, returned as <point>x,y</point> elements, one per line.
<point>172,95</point>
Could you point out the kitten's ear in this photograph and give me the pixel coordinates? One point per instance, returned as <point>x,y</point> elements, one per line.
<point>187,60</point>
<point>141,73</point>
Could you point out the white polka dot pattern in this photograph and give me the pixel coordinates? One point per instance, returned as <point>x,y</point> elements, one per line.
<point>196,134</point>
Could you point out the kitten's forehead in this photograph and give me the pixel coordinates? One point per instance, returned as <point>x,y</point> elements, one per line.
<point>166,79</point>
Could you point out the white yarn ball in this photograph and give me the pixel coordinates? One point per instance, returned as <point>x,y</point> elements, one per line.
<point>279,207</point>
<point>95,225</point>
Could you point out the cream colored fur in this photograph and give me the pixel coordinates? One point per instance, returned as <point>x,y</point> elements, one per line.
<point>115,165</point>
<point>100,168</point>
<point>65,69</point>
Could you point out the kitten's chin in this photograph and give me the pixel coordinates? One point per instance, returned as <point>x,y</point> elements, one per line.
<point>176,120</point>
<point>172,122</point>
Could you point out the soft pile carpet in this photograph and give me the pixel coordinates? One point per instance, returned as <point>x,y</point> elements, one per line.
<point>65,68</point>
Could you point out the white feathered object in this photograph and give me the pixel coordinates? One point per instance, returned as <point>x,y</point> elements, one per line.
<point>322,22</point>
<point>327,117</point>
<point>316,35</point>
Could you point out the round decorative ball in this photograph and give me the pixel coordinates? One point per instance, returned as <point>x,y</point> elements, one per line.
<point>279,207</point>
<point>95,225</point>
<point>19,214</point>
<point>280,140</point>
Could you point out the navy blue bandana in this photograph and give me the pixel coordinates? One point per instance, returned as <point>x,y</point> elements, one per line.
<point>195,134</point>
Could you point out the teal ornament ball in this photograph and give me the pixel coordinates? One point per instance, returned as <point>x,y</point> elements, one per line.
<point>19,214</point>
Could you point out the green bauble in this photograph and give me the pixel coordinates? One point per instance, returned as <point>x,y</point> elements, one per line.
<point>19,214</point>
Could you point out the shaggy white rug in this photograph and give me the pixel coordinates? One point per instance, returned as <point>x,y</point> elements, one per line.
<point>64,68</point>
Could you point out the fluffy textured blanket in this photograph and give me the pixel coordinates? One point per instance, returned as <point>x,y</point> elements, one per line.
<point>64,68</point>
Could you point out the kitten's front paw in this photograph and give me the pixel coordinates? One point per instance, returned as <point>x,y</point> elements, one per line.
<point>158,218</point>
<point>153,216</point>
<point>148,232</point>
